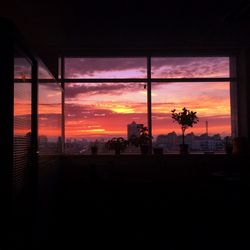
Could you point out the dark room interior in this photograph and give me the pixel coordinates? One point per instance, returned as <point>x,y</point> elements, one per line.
<point>76,76</point>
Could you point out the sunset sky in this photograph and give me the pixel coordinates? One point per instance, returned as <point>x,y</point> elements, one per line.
<point>49,110</point>
<point>103,110</point>
<point>95,110</point>
<point>22,108</point>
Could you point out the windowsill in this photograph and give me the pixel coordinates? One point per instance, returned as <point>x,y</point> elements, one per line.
<point>152,155</point>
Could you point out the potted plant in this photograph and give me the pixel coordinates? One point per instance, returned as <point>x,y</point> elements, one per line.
<point>117,144</point>
<point>94,148</point>
<point>143,140</point>
<point>158,150</point>
<point>240,145</point>
<point>228,145</point>
<point>185,119</point>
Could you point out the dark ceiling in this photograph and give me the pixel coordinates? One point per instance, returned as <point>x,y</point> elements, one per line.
<point>52,27</point>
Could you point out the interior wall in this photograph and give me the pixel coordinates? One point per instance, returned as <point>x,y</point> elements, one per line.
<point>6,129</point>
<point>243,93</point>
<point>247,91</point>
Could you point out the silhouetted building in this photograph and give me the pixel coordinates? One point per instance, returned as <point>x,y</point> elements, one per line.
<point>133,129</point>
<point>59,145</point>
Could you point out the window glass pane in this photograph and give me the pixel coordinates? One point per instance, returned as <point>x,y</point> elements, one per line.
<point>101,111</point>
<point>22,135</point>
<point>22,68</point>
<point>43,72</point>
<point>211,101</point>
<point>49,118</point>
<point>22,150</point>
<point>105,68</point>
<point>22,109</point>
<point>190,67</point>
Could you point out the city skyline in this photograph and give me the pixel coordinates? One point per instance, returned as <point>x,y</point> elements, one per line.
<point>169,143</point>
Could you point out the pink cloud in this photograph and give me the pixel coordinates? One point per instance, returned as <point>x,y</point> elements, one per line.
<point>74,89</point>
<point>99,67</point>
<point>168,67</point>
<point>190,67</point>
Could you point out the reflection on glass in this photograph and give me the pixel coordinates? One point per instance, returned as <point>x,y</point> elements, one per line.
<point>22,109</point>
<point>190,67</point>
<point>105,68</point>
<point>49,118</point>
<point>43,72</point>
<point>211,101</point>
<point>22,69</point>
<point>100,111</point>
<point>22,134</point>
<point>22,150</point>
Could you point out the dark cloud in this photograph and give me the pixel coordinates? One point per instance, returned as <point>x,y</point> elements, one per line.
<point>43,72</point>
<point>88,66</point>
<point>52,86</point>
<point>72,90</point>
<point>194,61</point>
<point>50,105</point>
<point>85,111</point>
<point>190,67</point>
<point>79,112</point>
<point>22,120</point>
<point>49,120</point>
<point>169,67</point>
<point>22,68</point>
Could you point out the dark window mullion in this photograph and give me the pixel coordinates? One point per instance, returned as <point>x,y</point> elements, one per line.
<point>109,80</point>
<point>149,100</point>
<point>63,102</point>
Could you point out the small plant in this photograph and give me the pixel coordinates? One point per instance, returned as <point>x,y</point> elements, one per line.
<point>185,119</point>
<point>117,143</point>
<point>143,140</point>
<point>228,143</point>
<point>144,137</point>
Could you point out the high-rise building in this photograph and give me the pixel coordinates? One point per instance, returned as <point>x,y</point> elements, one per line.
<point>134,129</point>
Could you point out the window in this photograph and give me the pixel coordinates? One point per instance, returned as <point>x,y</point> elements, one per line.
<point>100,111</point>
<point>49,113</point>
<point>22,120</point>
<point>211,101</point>
<point>97,108</point>
<point>190,67</point>
<point>76,68</point>
<point>22,69</point>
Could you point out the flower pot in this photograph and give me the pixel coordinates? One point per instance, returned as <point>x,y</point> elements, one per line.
<point>229,149</point>
<point>183,148</point>
<point>144,149</point>
<point>117,151</point>
<point>94,150</point>
<point>158,151</point>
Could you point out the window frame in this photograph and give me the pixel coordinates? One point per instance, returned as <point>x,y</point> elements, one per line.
<point>232,79</point>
